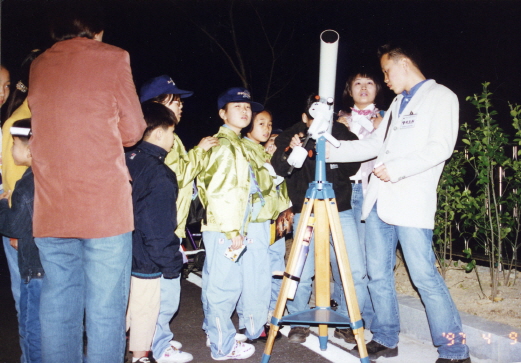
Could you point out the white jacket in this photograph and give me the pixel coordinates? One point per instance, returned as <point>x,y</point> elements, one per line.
<point>414,153</point>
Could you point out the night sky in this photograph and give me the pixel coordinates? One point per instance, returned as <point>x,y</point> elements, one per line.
<point>464,43</point>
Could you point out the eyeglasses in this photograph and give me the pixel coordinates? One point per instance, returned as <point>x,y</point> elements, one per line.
<point>177,100</point>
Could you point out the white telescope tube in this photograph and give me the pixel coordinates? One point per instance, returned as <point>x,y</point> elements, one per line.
<point>328,60</point>
<point>327,75</point>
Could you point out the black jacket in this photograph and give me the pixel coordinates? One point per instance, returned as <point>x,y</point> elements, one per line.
<point>155,248</point>
<point>17,222</point>
<point>298,181</point>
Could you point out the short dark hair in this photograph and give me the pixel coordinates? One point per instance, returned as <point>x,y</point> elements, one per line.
<point>157,115</point>
<point>347,99</point>
<point>312,98</point>
<point>25,124</point>
<point>249,128</point>
<point>71,19</point>
<point>402,48</point>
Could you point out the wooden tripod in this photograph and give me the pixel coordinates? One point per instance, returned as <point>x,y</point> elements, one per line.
<point>320,201</point>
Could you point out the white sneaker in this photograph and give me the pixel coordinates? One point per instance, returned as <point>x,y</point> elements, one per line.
<point>238,337</point>
<point>239,351</point>
<point>241,338</point>
<point>172,355</point>
<point>175,344</point>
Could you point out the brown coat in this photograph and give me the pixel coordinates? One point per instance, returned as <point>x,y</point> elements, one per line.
<point>84,110</point>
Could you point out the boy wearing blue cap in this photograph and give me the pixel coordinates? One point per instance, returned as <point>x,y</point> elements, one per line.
<point>186,166</point>
<point>224,190</point>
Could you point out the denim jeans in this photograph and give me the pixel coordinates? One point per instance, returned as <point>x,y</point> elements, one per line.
<point>356,260</point>
<point>12,262</point>
<point>256,274</point>
<point>221,289</point>
<point>84,277</point>
<point>357,200</point>
<point>29,321</point>
<point>170,295</point>
<point>276,251</point>
<point>416,243</point>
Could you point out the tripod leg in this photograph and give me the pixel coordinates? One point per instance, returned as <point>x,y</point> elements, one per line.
<point>346,276</point>
<point>322,269</point>
<point>286,282</point>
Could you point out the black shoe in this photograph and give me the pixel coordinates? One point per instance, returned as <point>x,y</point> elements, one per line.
<point>346,334</point>
<point>248,340</point>
<point>264,335</point>
<point>333,304</point>
<point>445,360</point>
<point>298,334</point>
<point>376,350</point>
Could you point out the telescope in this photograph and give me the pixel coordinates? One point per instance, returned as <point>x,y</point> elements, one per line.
<point>322,110</point>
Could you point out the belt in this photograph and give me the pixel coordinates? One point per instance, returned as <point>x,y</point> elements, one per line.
<point>356,182</point>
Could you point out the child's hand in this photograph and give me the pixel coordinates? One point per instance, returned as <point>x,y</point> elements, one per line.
<point>295,140</point>
<point>5,195</point>
<point>343,120</point>
<point>237,242</point>
<point>208,142</point>
<point>270,147</point>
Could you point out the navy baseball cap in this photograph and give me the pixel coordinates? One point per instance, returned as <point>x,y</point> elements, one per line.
<point>159,86</point>
<point>238,94</point>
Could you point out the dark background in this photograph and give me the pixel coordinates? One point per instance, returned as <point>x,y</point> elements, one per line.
<point>464,43</point>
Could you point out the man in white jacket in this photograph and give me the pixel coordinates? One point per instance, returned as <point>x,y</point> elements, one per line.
<point>415,138</point>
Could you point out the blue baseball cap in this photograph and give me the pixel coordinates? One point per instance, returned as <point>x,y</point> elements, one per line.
<point>161,85</point>
<point>238,94</point>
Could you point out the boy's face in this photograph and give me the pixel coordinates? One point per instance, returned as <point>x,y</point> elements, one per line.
<point>167,140</point>
<point>21,153</point>
<point>5,85</point>
<point>236,116</point>
<point>363,91</point>
<point>394,72</point>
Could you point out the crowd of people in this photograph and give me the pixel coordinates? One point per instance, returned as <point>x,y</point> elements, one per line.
<point>92,233</point>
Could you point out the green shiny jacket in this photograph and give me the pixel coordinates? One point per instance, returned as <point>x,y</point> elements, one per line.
<point>275,196</point>
<point>224,185</point>
<point>186,166</point>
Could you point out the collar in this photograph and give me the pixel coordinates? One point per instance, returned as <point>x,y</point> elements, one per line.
<point>413,90</point>
<point>229,132</point>
<point>252,144</point>
<point>370,107</point>
<point>153,150</point>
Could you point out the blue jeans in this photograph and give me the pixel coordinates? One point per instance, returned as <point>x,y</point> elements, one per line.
<point>356,260</point>
<point>256,274</point>
<point>416,243</point>
<point>276,251</point>
<point>12,262</point>
<point>29,321</point>
<point>357,200</point>
<point>221,289</point>
<point>84,276</point>
<point>170,295</point>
